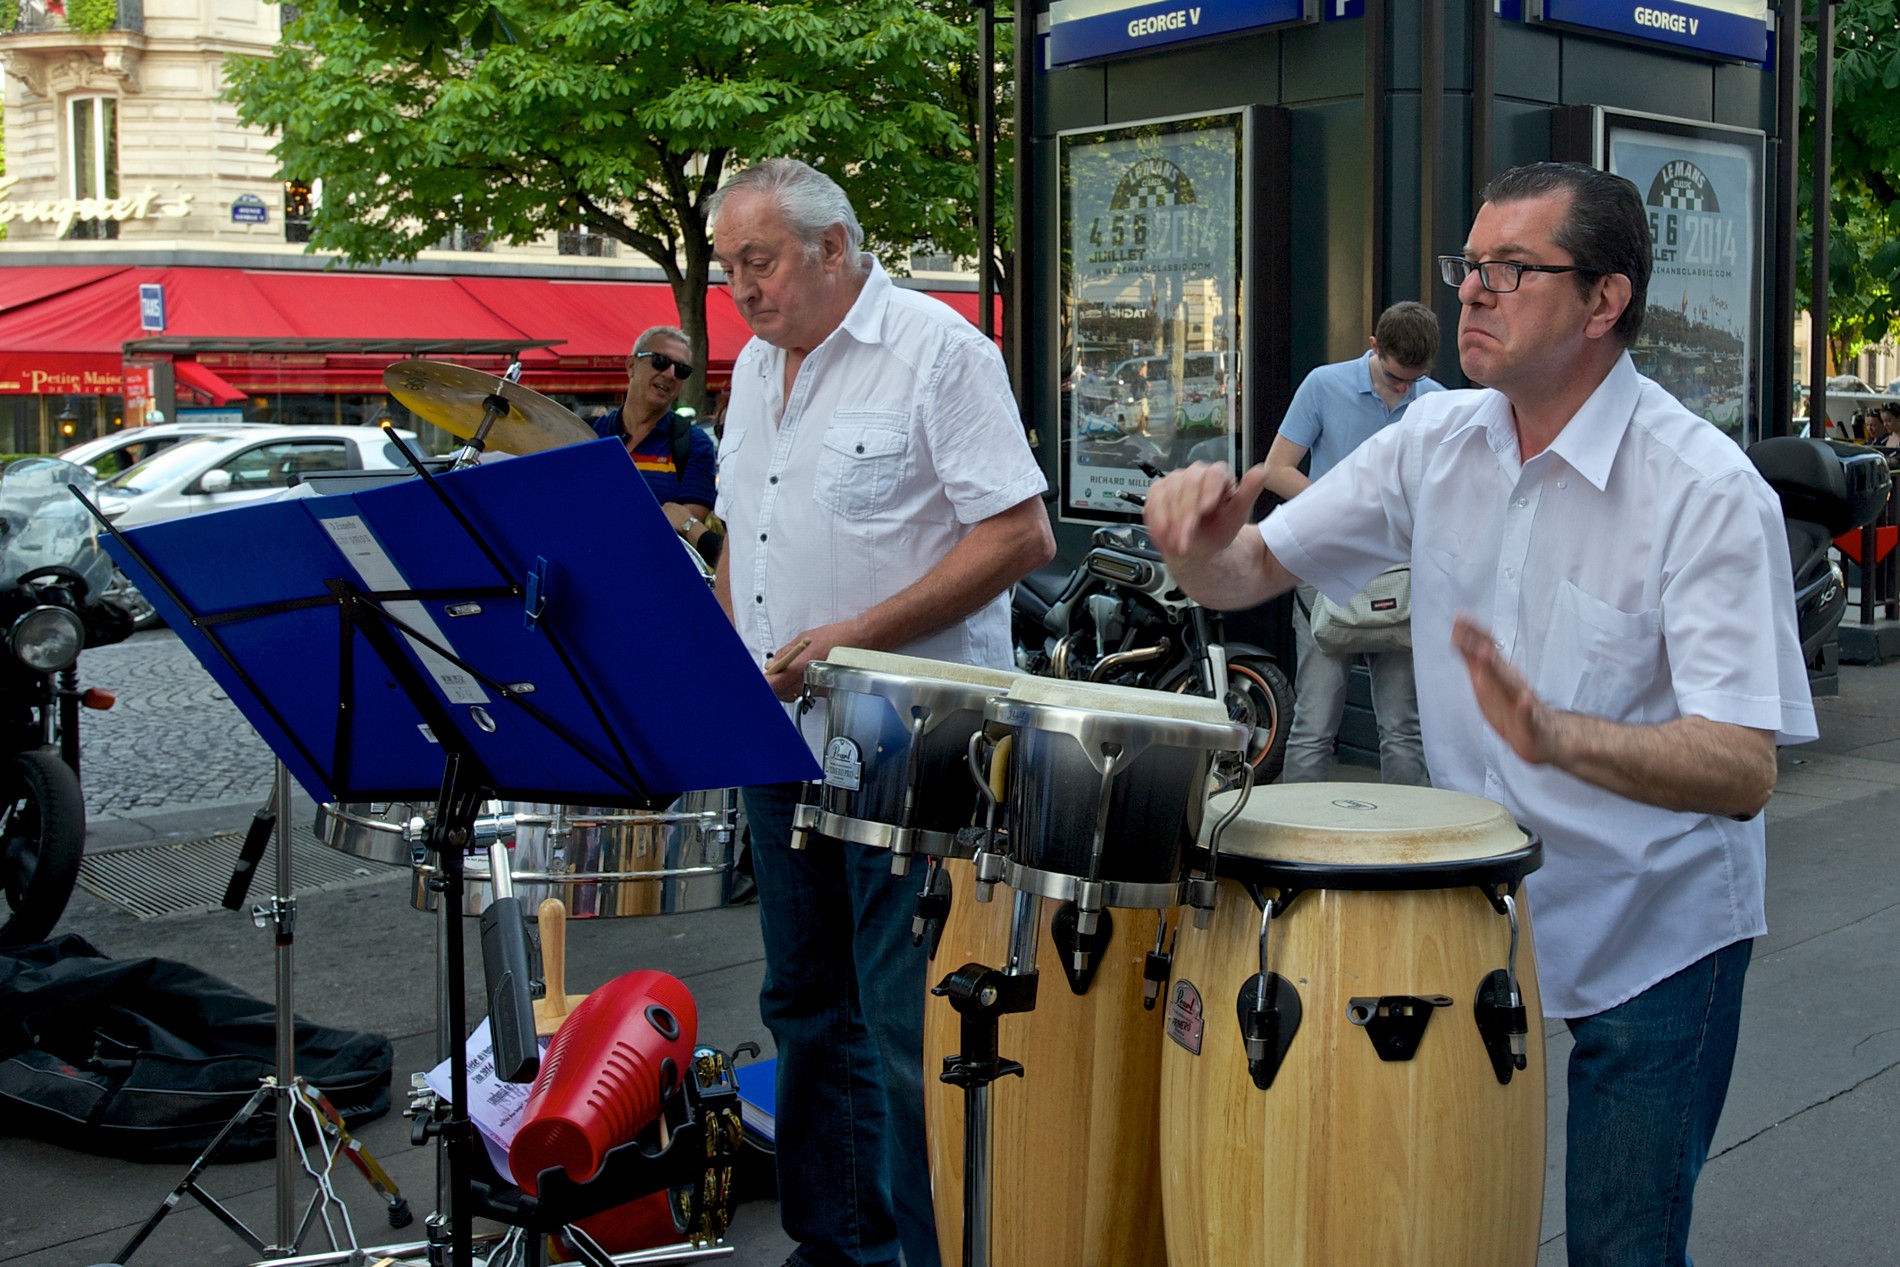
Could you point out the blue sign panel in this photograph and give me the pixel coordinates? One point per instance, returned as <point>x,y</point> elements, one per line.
<point>1086,30</point>
<point>249,209</point>
<point>1723,28</point>
<point>152,306</point>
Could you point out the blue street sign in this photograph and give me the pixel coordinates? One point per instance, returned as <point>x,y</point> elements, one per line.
<point>249,209</point>
<point>1086,30</point>
<point>152,306</point>
<point>1727,28</point>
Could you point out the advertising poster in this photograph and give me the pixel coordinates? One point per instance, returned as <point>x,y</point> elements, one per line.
<point>1700,339</point>
<point>1150,307</point>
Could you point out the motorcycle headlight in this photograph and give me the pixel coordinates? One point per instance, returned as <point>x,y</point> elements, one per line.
<point>47,638</point>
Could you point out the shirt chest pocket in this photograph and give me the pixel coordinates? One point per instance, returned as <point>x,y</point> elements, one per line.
<point>1600,659</point>
<point>863,462</point>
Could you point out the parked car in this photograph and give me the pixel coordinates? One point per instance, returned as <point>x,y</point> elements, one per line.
<point>234,467</point>
<point>107,455</point>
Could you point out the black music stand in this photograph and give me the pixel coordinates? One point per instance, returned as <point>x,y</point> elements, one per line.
<point>468,637</point>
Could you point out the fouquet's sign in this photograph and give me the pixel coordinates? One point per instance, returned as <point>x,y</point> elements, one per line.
<point>62,212</point>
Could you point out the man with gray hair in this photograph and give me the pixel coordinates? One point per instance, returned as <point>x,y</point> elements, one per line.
<point>1611,575</point>
<point>879,492</point>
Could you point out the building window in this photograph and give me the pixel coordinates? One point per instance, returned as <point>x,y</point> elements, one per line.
<point>94,134</point>
<point>462,238</point>
<point>585,242</point>
<point>299,203</point>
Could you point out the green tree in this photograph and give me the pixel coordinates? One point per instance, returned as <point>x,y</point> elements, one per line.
<point>1863,251</point>
<point>621,116</point>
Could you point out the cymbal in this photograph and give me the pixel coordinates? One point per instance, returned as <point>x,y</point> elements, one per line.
<point>455,398</point>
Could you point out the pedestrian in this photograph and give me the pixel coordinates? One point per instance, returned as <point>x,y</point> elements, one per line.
<point>1337,408</point>
<point>1612,577</point>
<point>880,494</point>
<point>677,459</point>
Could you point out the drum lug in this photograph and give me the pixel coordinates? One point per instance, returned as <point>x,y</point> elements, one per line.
<point>933,905</point>
<point>1267,1025</point>
<point>1202,891</point>
<point>804,819</point>
<point>990,867</point>
<point>1158,966</point>
<point>1081,951</point>
<point>1502,1024</point>
<point>1395,1022</point>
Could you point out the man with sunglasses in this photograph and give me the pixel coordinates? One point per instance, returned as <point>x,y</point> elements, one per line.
<point>881,494</point>
<point>657,437</point>
<point>1338,408</point>
<point>1605,646</point>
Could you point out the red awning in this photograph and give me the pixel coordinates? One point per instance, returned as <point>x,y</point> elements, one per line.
<point>200,379</point>
<point>22,286</point>
<point>379,306</point>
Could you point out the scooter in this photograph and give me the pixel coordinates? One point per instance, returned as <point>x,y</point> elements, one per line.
<point>1826,488</point>
<point>1120,618</point>
<point>53,579</point>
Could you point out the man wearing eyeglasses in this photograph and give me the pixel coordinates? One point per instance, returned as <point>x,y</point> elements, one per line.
<point>676,459</point>
<point>1338,408</point>
<point>1611,576</point>
<point>881,494</point>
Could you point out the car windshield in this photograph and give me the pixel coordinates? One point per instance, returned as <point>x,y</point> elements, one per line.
<point>165,466</point>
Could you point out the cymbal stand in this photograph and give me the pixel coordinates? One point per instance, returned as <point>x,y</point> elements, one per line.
<point>982,996</point>
<point>289,1092</point>
<point>494,409</point>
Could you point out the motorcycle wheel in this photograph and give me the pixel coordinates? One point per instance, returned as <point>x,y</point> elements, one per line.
<point>42,838</point>
<point>1260,697</point>
<point>121,593</point>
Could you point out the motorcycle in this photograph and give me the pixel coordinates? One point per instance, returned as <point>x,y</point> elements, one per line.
<point>1826,488</point>
<point>53,581</point>
<point>1120,618</point>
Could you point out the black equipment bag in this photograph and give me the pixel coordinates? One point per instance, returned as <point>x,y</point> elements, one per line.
<point>147,1059</point>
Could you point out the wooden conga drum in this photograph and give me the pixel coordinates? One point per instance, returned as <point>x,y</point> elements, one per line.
<point>1075,1160</point>
<point>1387,1120</point>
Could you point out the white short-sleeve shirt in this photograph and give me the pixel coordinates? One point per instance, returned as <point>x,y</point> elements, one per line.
<point>899,436</point>
<point>1636,570</point>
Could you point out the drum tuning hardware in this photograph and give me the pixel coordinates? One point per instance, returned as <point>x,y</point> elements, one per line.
<point>1395,1022</point>
<point>1499,1008</point>
<point>933,907</point>
<point>1159,965</point>
<point>1269,1011</point>
<point>804,819</point>
<point>1081,950</point>
<point>1202,893</point>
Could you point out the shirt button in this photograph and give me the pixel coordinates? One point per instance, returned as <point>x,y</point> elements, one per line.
<point>1521,502</point>
<point>761,536</point>
<point>1563,483</point>
<point>1509,573</point>
<point>773,479</point>
<point>758,598</point>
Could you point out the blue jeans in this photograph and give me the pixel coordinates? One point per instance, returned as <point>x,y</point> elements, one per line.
<point>1319,705</point>
<point>844,999</point>
<point>1647,1082</point>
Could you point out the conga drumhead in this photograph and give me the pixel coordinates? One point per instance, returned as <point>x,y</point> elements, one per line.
<point>1101,697</point>
<point>917,667</point>
<point>1365,825</point>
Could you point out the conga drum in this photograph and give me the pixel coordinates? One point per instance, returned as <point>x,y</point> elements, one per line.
<point>897,734</point>
<point>1382,1114</point>
<point>1075,1162</point>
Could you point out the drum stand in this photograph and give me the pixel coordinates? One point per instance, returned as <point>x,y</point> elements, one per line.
<point>982,997</point>
<point>289,1092</point>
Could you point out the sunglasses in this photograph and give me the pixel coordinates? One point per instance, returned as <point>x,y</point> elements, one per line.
<point>664,364</point>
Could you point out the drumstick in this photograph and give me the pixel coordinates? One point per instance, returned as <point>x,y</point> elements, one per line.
<point>778,662</point>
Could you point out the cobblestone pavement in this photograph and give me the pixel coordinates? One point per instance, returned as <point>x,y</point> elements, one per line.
<point>173,740</point>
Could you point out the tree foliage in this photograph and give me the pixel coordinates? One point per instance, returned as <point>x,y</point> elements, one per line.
<point>1863,247</point>
<point>620,116</point>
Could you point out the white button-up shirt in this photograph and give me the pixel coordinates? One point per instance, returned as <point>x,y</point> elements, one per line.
<point>1635,570</point>
<point>899,436</point>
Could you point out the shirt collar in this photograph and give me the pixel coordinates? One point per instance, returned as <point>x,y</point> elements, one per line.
<point>1405,397</point>
<point>865,321</point>
<point>1588,442</point>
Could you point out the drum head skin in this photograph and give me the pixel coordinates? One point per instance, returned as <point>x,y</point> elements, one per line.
<point>1365,824</point>
<point>914,666</point>
<point>1100,697</point>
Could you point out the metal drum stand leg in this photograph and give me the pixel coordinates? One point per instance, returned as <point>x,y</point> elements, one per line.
<point>288,1092</point>
<point>982,997</point>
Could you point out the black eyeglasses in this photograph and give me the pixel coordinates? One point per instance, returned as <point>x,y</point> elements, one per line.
<point>1500,277</point>
<point>664,363</point>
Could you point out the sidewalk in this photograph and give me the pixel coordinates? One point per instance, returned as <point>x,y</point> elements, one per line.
<point>1805,1168</point>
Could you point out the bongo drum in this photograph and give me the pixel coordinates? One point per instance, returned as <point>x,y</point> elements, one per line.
<point>1074,1159</point>
<point>897,731</point>
<point>1381,1115</point>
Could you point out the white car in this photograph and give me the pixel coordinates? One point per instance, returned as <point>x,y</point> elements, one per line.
<point>236,468</point>
<point>107,455</point>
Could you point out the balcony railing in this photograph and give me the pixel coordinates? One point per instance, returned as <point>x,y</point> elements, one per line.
<point>80,17</point>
